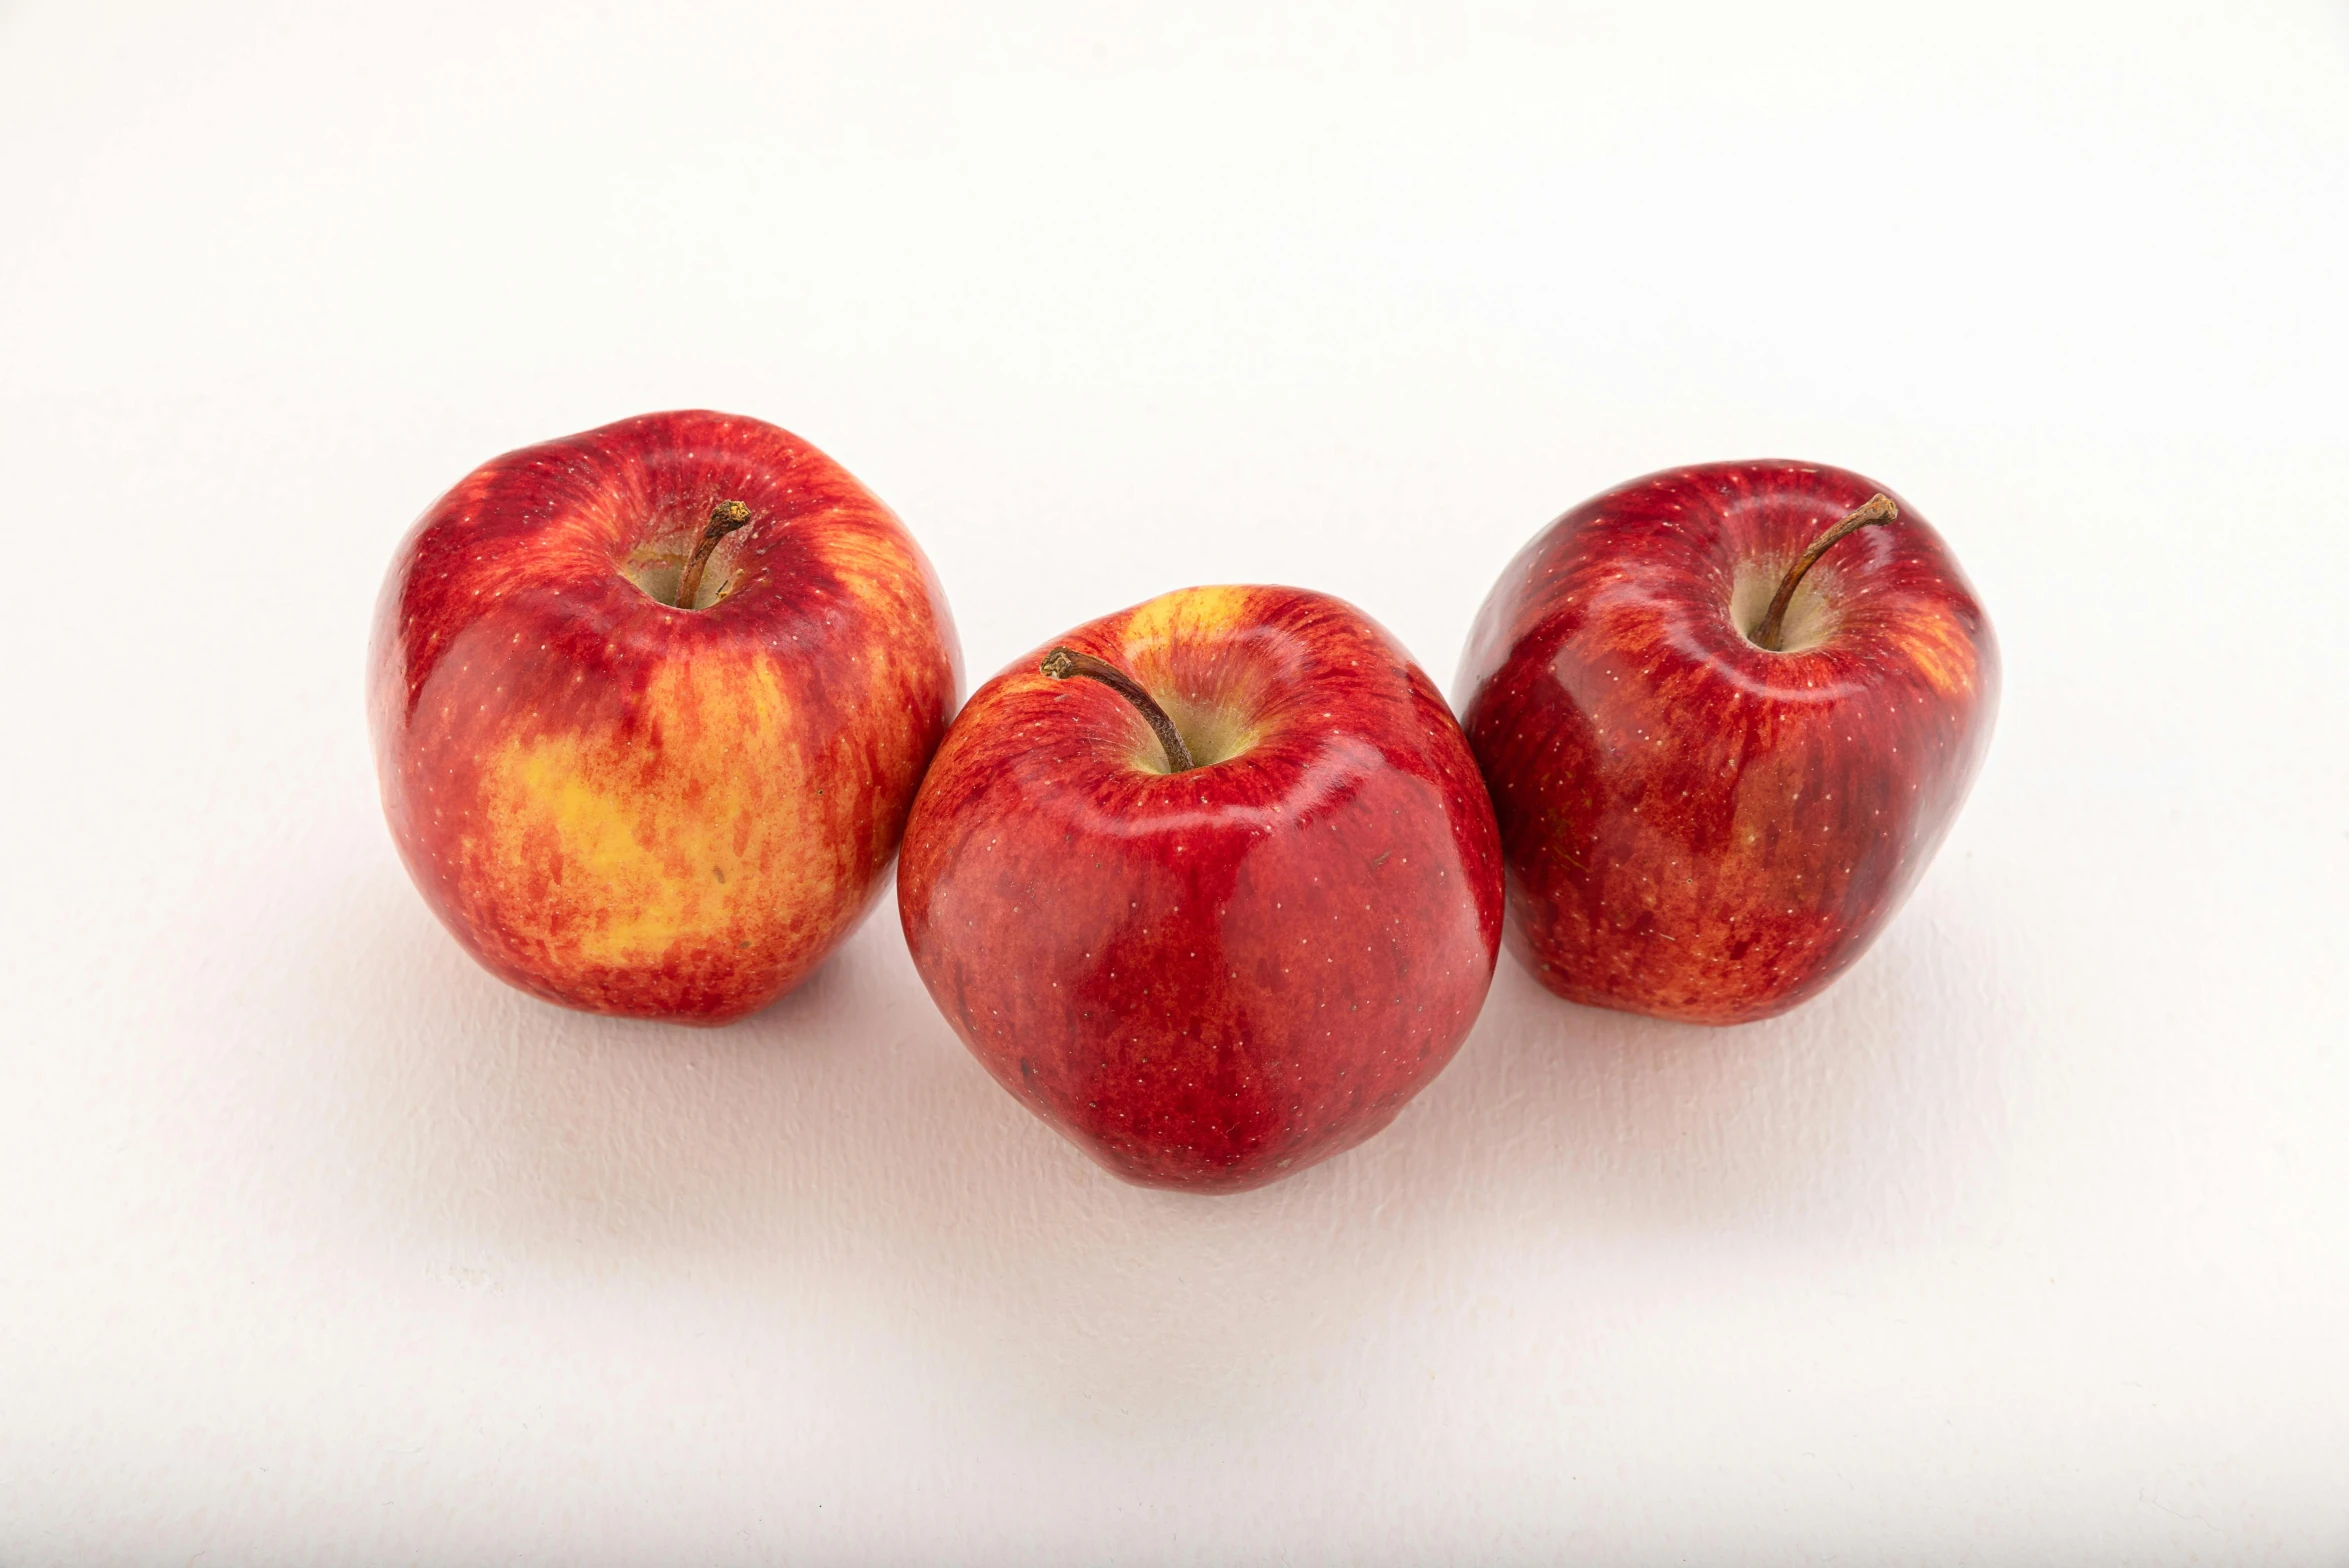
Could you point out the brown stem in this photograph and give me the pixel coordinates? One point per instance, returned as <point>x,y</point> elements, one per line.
<point>1878,511</point>
<point>725,517</point>
<point>1061,663</point>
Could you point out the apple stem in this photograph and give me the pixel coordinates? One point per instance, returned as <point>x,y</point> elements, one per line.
<point>1879,510</point>
<point>1061,663</point>
<point>725,517</point>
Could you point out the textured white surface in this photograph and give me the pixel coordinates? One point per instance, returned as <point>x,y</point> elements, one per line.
<point>2028,1243</point>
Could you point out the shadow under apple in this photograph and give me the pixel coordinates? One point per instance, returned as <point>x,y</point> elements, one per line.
<point>837,1165</point>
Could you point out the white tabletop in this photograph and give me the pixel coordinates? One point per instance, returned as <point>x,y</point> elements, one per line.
<point>2028,1242</point>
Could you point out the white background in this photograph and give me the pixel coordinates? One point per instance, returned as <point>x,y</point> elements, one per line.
<point>2029,1242</point>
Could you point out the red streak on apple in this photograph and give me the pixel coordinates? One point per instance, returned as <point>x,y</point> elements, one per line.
<point>1697,827</point>
<point>1213,978</point>
<point>631,807</point>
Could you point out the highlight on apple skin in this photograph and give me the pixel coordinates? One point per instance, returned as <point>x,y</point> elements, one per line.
<point>632,805</point>
<point>1208,978</point>
<point>1696,825</point>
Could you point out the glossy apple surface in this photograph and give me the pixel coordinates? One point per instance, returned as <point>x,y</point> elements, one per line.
<point>1213,978</point>
<point>633,807</point>
<point>1697,827</point>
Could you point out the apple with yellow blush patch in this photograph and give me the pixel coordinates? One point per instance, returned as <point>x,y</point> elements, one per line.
<point>1210,884</point>
<point>650,706</point>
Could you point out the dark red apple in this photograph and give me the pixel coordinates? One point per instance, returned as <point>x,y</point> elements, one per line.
<point>650,706</point>
<point>1219,910</point>
<point>1707,817</point>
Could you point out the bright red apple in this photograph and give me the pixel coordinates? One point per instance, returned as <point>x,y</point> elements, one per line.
<point>1213,887</point>
<point>650,706</point>
<point>1708,816</point>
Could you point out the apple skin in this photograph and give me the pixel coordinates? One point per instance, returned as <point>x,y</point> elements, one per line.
<point>625,806</point>
<point>1695,827</point>
<point>1212,979</point>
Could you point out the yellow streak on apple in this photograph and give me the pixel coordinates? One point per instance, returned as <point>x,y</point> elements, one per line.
<point>1944,657</point>
<point>1186,614</point>
<point>675,845</point>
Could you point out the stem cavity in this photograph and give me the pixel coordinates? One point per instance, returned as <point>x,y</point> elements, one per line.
<point>725,517</point>
<point>1879,510</point>
<point>1062,663</point>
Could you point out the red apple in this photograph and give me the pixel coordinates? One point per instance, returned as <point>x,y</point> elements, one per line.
<point>1213,959</point>
<point>633,805</point>
<point>1706,819</point>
